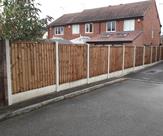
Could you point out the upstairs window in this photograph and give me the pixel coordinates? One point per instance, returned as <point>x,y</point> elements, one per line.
<point>111,26</point>
<point>129,25</point>
<point>75,29</point>
<point>89,28</point>
<point>59,30</point>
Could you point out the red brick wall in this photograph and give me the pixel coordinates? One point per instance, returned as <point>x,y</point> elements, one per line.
<point>50,32</point>
<point>98,28</point>
<point>138,41</point>
<point>151,21</point>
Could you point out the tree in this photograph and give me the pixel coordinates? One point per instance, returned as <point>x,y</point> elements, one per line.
<point>20,20</point>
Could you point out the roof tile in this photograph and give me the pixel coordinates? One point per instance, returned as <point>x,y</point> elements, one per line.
<point>111,37</point>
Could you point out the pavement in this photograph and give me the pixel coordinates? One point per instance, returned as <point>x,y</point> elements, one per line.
<point>132,107</point>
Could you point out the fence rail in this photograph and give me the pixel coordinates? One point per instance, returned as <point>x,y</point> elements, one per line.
<point>39,65</point>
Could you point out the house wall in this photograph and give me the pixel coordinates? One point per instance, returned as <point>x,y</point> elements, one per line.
<point>98,28</point>
<point>161,39</point>
<point>138,41</point>
<point>152,23</point>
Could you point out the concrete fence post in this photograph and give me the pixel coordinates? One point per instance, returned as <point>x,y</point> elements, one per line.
<point>108,61</point>
<point>151,54</point>
<point>57,67</point>
<point>134,59</point>
<point>144,56</point>
<point>123,63</point>
<point>8,70</point>
<point>88,64</point>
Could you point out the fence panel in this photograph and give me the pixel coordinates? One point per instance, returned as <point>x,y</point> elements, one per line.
<point>2,77</point>
<point>32,65</point>
<point>129,56</point>
<point>154,54</point>
<point>98,60</point>
<point>162,53</point>
<point>139,56</point>
<point>72,63</point>
<point>158,53</point>
<point>116,58</point>
<point>147,55</point>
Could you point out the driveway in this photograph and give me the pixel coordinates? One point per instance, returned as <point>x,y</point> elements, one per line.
<point>130,108</point>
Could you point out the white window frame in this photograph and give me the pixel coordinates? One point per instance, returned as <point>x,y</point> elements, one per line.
<point>128,22</point>
<point>55,30</point>
<point>89,27</point>
<point>76,26</point>
<point>111,26</point>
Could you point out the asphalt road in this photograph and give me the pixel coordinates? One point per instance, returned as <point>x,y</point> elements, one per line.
<point>130,108</point>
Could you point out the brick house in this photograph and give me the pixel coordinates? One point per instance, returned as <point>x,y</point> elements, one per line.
<point>136,23</point>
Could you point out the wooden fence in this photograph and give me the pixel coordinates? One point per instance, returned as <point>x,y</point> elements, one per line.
<point>2,75</point>
<point>98,60</point>
<point>147,55</point>
<point>35,66</point>
<point>139,56</point>
<point>129,57</point>
<point>162,53</point>
<point>116,58</point>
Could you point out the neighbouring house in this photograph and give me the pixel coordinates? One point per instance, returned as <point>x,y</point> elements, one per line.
<point>136,23</point>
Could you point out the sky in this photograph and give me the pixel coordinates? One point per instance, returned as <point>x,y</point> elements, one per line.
<point>57,8</point>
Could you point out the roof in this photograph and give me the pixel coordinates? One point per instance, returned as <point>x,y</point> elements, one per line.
<point>59,40</point>
<point>116,37</point>
<point>81,40</point>
<point>121,11</point>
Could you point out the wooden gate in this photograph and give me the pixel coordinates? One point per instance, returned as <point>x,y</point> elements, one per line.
<point>2,89</point>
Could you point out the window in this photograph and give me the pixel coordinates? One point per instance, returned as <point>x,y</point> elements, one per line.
<point>129,25</point>
<point>89,28</point>
<point>59,30</point>
<point>75,29</point>
<point>111,26</point>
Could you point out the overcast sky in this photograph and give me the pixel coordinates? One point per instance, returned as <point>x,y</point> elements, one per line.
<point>57,8</point>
